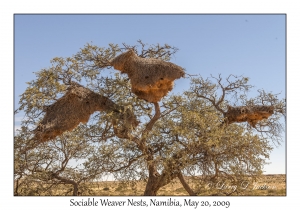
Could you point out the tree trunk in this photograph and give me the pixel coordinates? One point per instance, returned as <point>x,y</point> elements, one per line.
<point>152,186</point>
<point>153,183</point>
<point>75,189</point>
<point>17,188</point>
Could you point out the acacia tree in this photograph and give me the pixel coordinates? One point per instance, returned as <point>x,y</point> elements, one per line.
<point>187,134</point>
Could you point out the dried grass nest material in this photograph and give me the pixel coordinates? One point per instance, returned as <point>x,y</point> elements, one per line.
<point>75,107</point>
<point>250,114</point>
<point>151,79</point>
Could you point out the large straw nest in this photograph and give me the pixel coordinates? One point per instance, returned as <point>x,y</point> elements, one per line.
<point>151,79</point>
<point>75,107</point>
<point>250,114</point>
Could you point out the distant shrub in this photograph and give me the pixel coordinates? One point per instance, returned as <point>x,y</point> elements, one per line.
<point>181,189</point>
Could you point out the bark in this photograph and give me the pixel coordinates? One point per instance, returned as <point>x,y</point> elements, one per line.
<point>185,185</point>
<point>153,181</point>
<point>152,187</point>
<point>68,181</point>
<point>17,188</point>
<point>156,180</point>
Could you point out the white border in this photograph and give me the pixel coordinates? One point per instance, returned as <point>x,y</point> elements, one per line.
<point>8,8</point>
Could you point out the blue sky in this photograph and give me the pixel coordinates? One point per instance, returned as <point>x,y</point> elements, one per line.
<point>249,45</point>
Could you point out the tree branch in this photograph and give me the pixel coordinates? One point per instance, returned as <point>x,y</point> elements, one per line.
<point>67,181</point>
<point>156,116</point>
<point>185,184</point>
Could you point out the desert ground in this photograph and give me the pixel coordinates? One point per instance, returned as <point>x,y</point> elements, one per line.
<point>268,185</point>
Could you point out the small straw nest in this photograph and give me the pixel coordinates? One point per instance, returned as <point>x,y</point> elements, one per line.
<point>151,79</point>
<point>75,107</point>
<point>250,114</point>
